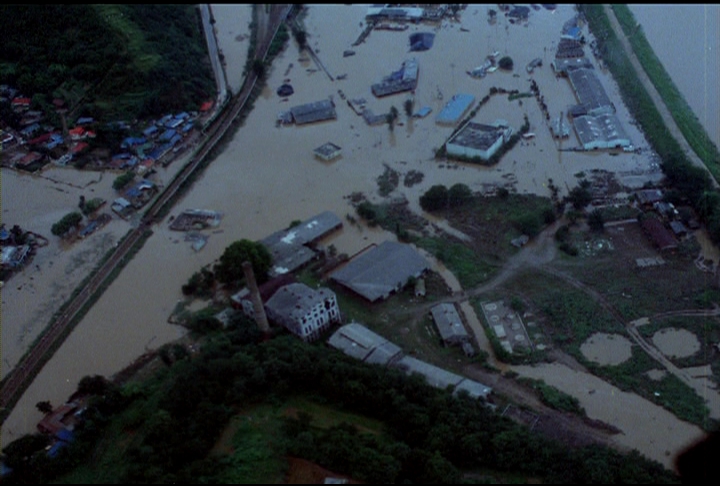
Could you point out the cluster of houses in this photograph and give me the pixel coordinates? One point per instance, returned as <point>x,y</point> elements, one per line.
<point>661,221</point>
<point>33,144</point>
<point>134,198</point>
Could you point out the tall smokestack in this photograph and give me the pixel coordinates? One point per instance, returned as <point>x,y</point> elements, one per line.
<point>258,308</point>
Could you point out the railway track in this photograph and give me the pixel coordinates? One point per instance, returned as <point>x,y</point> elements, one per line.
<point>21,376</point>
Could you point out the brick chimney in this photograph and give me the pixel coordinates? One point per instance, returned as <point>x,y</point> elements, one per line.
<point>258,308</point>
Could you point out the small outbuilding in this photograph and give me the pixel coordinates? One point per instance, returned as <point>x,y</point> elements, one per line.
<point>285,90</point>
<point>421,41</point>
<point>328,151</point>
<point>449,324</point>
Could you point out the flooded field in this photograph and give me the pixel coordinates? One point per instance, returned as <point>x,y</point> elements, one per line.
<point>607,349</point>
<point>268,177</point>
<point>650,429</point>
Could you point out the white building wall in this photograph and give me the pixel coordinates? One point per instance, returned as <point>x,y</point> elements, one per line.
<point>463,151</point>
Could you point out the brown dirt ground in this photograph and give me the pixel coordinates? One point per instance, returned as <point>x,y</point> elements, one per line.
<point>301,471</point>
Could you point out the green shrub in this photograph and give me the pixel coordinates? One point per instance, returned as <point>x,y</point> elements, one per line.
<point>123,180</point>
<point>67,222</point>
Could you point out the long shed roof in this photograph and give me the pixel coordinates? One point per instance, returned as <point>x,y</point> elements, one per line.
<point>448,322</point>
<point>382,270</point>
<point>361,343</point>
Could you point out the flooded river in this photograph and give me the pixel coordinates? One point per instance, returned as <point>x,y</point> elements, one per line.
<point>268,177</point>
<point>692,58</point>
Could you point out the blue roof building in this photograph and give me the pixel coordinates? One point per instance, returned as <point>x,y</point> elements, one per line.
<point>151,130</point>
<point>455,109</point>
<point>167,135</point>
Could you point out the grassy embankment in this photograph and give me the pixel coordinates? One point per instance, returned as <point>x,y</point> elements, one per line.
<point>688,122</point>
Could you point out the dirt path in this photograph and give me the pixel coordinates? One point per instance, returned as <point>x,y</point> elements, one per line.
<point>654,95</point>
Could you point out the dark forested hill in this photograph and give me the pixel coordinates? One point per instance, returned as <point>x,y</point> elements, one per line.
<point>107,61</point>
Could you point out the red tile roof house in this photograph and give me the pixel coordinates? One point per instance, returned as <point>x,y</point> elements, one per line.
<point>29,159</point>
<point>663,239</point>
<point>20,103</point>
<point>78,133</point>
<point>79,148</point>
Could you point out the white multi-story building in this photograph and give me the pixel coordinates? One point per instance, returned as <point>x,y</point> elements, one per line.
<point>303,311</point>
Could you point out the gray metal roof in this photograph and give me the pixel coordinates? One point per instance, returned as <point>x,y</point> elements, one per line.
<point>605,129</point>
<point>474,389</point>
<point>589,91</point>
<point>437,377</point>
<point>287,246</point>
<point>293,301</point>
<point>448,322</point>
<point>361,343</point>
<point>314,112</point>
<point>382,270</point>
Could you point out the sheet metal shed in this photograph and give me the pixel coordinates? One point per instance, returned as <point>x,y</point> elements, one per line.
<point>381,271</point>
<point>361,343</point>
<point>449,324</point>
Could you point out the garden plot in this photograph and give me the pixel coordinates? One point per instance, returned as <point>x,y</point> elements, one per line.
<point>507,326</point>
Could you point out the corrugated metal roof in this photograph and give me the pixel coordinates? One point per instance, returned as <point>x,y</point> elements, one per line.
<point>382,270</point>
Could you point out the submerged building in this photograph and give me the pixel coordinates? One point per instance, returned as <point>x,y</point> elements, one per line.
<point>404,79</point>
<point>290,248</point>
<point>309,113</point>
<point>600,132</point>
<point>590,93</point>
<point>476,140</point>
<point>454,109</point>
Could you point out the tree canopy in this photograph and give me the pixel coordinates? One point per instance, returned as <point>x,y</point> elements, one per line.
<point>229,269</point>
<point>114,61</point>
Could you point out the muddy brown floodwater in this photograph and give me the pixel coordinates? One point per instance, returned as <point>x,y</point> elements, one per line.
<point>267,177</point>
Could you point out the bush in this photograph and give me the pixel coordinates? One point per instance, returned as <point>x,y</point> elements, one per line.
<point>434,198</point>
<point>366,211</point>
<point>458,195</point>
<point>596,220</point>
<point>67,222</point>
<point>528,223</point>
<point>229,269</point>
<point>506,63</point>
<point>122,181</point>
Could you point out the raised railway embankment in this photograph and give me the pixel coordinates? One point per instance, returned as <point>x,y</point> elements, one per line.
<point>90,290</point>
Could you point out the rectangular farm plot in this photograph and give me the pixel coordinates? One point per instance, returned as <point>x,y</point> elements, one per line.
<point>507,326</point>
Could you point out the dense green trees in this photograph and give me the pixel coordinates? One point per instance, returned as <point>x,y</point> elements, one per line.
<point>69,221</point>
<point>580,195</point>
<point>434,198</point>
<point>229,270</point>
<point>440,197</point>
<point>122,181</point>
<point>119,61</point>
<point>428,435</point>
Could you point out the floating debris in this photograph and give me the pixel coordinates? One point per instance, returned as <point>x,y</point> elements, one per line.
<point>198,240</point>
<point>195,219</point>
